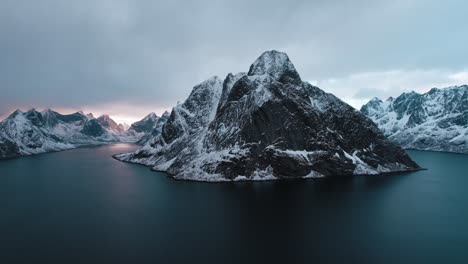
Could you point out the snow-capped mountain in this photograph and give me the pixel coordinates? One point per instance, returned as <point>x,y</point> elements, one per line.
<point>110,124</point>
<point>145,125</point>
<point>28,133</point>
<point>436,120</point>
<point>151,126</point>
<point>267,124</point>
<point>33,132</point>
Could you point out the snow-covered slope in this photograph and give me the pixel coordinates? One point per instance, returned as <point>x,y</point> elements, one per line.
<point>150,127</point>
<point>146,124</point>
<point>267,124</point>
<point>109,124</point>
<point>436,120</point>
<point>27,133</point>
<point>33,132</point>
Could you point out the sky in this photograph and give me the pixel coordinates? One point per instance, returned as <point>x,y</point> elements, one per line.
<point>127,58</point>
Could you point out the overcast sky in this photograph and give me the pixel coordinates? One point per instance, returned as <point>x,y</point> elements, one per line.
<point>127,57</point>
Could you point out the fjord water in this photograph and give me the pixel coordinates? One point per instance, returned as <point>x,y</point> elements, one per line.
<point>83,206</point>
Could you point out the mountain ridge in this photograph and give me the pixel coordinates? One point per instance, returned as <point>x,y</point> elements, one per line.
<point>267,124</point>
<point>34,132</point>
<point>436,120</point>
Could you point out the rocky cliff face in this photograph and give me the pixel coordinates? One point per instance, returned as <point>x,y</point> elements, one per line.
<point>25,133</point>
<point>154,129</point>
<point>267,124</point>
<point>33,132</point>
<point>146,124</point>
<point>436,120</point>
<point>109,124</point>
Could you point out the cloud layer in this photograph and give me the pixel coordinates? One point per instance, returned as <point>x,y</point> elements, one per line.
<point>149,54</point>
<point>359,88</point>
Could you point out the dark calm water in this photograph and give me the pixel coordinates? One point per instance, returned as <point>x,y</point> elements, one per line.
<point>84,206</point>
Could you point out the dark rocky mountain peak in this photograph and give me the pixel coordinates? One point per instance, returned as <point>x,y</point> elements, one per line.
<point>15,113</point>
<point>266,125</point>
<point>109,124</point>
<point>277,65</point>
<point>49,118</point>
<point>35,117</point>
<point>150,116</point>
<point>105,118</point>
<point>165,114</point>
<point>155,129</point>
<point>93,128</point>
<point>146,124</point>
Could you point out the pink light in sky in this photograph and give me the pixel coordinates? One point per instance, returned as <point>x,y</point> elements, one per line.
<point>120,112</point>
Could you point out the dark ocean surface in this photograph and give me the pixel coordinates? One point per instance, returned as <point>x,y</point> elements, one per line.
<point>82,206</point>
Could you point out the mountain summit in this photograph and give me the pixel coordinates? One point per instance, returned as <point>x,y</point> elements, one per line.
<point>277,65</point>
<point>110,124</point>
<point>267,124</point>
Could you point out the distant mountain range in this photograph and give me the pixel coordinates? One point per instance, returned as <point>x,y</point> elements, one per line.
<point>267,124</point>
<point>261,125</point>
<point>33,132</point>
<point>436,120</point>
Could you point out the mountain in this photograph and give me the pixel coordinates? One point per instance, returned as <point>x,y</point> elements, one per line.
<point>109,124</point>
<point>155,130</point>
<point>27,133</point>
<point>267,124</point>
<point>145,125</point>
<point>148,127</point>
<point>33,132</point>
<point>436,120</point>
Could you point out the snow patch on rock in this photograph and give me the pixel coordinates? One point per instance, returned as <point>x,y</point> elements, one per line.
<point>436,120</point>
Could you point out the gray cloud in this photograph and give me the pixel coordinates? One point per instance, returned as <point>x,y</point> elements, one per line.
<point>365,92</point>
<point>71,54</point>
